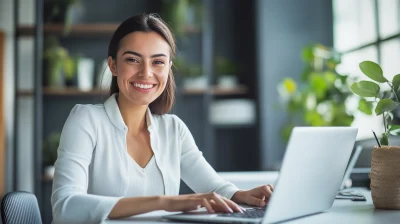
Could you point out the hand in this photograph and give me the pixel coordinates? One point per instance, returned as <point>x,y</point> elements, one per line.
<point>213,202</point>
<point>258,196</point>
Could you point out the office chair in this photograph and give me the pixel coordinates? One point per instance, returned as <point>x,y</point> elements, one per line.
<point>20,207</point>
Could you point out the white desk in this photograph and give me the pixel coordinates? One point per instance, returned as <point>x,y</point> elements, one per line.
<point>342,211</point>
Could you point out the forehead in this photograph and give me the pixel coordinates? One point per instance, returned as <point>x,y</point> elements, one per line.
<point>146,43</point>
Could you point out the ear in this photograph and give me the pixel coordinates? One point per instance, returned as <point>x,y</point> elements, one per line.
<point>112,65</point>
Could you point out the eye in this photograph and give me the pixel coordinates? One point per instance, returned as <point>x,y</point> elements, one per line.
<point>131,60</point>
<point>159,62</point>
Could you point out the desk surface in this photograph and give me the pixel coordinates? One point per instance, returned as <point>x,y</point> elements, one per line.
<point>342,211</point>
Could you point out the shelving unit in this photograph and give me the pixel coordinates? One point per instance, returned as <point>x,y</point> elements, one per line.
<point>81,30</point>
<point>218,91</point>
<point>192,104</point>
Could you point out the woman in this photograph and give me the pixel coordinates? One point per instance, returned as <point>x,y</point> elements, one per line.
<point>127,156</point>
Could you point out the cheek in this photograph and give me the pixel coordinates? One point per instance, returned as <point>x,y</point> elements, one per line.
<point>164,77</point>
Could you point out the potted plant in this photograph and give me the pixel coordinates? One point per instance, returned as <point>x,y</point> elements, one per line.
<point>180,14</point>
<point>318,99</point>
<point>55,59</point>
<point>64,12</point>
<point>191,74</point>
<point>50,146</point>
<point>226,72</point>
<point>385,162</point>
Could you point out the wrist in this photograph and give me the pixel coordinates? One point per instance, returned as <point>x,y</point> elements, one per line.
<point>238,197</point>
<point>162,202</point>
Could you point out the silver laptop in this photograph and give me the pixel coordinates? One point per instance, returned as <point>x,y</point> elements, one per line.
<point>311,175</point>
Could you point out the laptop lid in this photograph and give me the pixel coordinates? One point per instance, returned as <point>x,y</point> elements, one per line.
<point>312,171</point>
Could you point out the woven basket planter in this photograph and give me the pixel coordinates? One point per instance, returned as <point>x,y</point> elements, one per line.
<point>385,177</point>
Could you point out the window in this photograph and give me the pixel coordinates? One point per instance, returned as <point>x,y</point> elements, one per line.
<point>367,30</point>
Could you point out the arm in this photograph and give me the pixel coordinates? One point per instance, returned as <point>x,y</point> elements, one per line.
<point>196,171</point>
<point>70,201</point>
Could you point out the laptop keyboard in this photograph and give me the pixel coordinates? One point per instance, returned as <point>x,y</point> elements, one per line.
<point>249,213</point>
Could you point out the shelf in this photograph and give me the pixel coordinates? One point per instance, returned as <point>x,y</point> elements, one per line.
<point>239,90</point>
<point>64,92</point>
<point>234,126</point>
<point>76,92</point>
<point>88,29</point>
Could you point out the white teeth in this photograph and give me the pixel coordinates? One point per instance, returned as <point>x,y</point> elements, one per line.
<point>143,86</point>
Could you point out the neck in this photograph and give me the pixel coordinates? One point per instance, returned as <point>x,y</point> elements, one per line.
<point>134,115</point>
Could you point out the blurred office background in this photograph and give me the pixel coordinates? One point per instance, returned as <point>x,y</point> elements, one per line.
<point>247,71</point>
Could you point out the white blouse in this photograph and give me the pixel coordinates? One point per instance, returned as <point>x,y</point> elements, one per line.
<point>92,167</point>
<point>145,181</point>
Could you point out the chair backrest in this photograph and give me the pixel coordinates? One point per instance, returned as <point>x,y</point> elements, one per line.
<point>20,207</point>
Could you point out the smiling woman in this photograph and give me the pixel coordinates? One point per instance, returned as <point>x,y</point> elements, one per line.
<point>127,156</point>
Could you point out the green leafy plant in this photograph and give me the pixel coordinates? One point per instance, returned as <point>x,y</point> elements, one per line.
<point>386,100</point>
<point>62,11</point>
<point>224,66</point>
<point>319,98</point>
<point>180,13</point>
<point>185,69</point>
<point>56,61</point>
<point>50,146</point>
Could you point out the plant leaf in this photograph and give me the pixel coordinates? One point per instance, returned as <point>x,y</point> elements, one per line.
<point>365,89</point>
<point>307,54</point>
<point>390,116</point>
<point>373,71</point>
<point>385,105</point>
<point>394,129</point>
<point>396,82</point>
<point>384,139</point>
<point>319,85</point>
<point>365,107</point>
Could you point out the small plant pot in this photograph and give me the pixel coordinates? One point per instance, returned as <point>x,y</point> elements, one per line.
<point>227,81</point>
<point>385,177</point>
<point>199,82</point>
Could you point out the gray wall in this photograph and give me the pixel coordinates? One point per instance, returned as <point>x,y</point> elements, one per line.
<point>284,27</point>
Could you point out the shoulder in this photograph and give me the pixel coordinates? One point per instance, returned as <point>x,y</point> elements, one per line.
<point>83,113</point>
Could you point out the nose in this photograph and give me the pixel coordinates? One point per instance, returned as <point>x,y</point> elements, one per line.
<point>146,70</point>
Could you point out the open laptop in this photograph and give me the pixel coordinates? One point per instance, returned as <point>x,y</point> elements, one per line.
<point>311,175</point>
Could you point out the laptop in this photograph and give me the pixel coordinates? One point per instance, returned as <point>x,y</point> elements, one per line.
<point>310,177</point>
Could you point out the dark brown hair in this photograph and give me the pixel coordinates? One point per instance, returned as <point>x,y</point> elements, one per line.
<point>147,23</point>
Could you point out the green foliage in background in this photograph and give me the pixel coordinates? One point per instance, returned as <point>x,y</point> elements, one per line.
<point>181,13</point>
<point>319,98</point>
<point>371,93</point>
<point>224,66</point>
<point>186,69</point>
<point>50,146</point>
<point>56,58</point>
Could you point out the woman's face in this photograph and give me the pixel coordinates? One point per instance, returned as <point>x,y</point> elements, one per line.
<point>142,66</point>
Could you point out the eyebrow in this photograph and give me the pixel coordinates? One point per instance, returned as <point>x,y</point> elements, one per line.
<point>140,55</point>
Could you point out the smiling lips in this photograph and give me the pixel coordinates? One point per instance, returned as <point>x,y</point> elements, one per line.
<point>143,87</point>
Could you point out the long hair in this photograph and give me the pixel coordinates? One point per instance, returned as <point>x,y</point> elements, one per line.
<point>147,23</point>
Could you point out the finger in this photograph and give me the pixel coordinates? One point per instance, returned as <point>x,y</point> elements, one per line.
<point>255,201</point>
<point>265,191</point>
<point>271,186</point>
<point>192,205</point>
<point>217,198</point>
<point>208,206</point>
<point>235,207</point>
<point>217,207</point>
<point>269,191</point>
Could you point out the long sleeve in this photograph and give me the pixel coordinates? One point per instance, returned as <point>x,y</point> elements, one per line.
<point>196,172</point>
<point>70,201</point>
